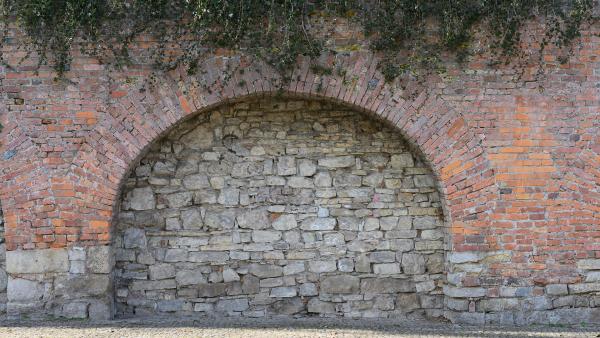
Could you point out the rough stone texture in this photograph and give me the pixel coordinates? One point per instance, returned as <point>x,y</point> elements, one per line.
<point>516,162</point>
<point>274,240</point>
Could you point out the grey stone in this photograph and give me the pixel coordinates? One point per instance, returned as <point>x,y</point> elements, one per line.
<point>191,219</point>
<point>100,259</point>
<point>348,223</point>
<point>134,238</point>
<point>22,290</point>
<point>77,253</point>
<point>195,182</point>
<point>253,219</point>
<point>262,236</point>
<point>203,307</point>
<point>584,287</point>
<point>179,199</point>
<point>588,264</point>
<point>265,270</point>
<point>408,302</point>
<point>323,179</point>
<point>285,222</point>
<point>171,305</point>
<point>232,305</point>
<point>300,182</point>
<point>3,279</point>
<point>283,292</point>
<point>319,266</point>
<point>75,310</point>
<point>557,289</point>
<point>288,306</point>
<point>340,284</point>
<point>37,261</point>
<point>176,255</point>
<point>199,138</point>
<point>224,219</point>
<point>317,306</point>
<point>413,264</point>
<point>229,196</point>
<point>286,166</point>
<point>229,275</point>
<point>386,268</point>
<point>386,285</point>
<point>463,257</point>
<point>163,168</point>
<point>161,271</point>
<point>308,289</point>
<point>250,284</point>
<point>99,311</point>
<point>337,162</point>
<point>315,223</point>
<point>334,239</point>
<point>212,290</point>
<point>77,267</point>
<point>78,286</point>
<point>467,292</point>
<point>401,161</point>
<point>293,268</point>
<point>346,265</point>
<point>422,181</point>
<point>189,277</point>
<point>306,167</point>
<point>141,199</point>
<point>208,257</point>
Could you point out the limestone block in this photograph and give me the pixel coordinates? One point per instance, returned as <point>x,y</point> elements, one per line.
<point>189,277</point>
<point>24,290</point>
<point>386,285</point>
<point>265,270</point>
<point>232,305</point>
<point>75,310</point>
<point>134,238</point>
<point>319,266</point>
<point>100,259</point>
<point>37,261</point>
<point>141,199</point>
<point>285,222</point>
<point>286,166</point>
<point>315,223</point>
<point>317,306</point>
<point>306,167</point>
<point>161,271</point>
<point>253,219</point>
<point>337,162</point>
<point>340,284</point>
<point>283,292</point>
<point>401,161</point>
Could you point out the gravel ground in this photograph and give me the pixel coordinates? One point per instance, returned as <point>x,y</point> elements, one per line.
<point>271,328</point>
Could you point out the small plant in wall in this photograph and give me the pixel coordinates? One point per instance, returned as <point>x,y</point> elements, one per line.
<point>408,35</point>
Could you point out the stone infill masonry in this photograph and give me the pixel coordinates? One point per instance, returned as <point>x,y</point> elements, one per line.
<point>280,207</point>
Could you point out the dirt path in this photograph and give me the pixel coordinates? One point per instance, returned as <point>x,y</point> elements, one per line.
<point>271,328</point>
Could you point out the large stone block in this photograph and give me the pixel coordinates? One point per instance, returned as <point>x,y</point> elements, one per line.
<point>141,199</point>
<point>340,284</point>
<point>24,290</point>
<point>100,259</point>
<point>37,261</point>
<point>386,285</point>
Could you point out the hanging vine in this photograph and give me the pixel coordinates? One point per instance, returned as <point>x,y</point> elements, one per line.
<point>277,31</point>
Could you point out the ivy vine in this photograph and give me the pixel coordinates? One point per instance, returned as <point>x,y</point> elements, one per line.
<point>407,34</point>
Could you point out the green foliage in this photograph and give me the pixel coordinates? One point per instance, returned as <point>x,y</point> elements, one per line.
<point>407,33</point>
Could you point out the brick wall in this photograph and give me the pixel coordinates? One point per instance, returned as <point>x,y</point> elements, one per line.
<point>516,162</point>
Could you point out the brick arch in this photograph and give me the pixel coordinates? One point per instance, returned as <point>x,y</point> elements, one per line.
<point>137,117</point>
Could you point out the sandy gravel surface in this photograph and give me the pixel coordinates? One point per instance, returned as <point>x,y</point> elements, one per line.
<point>271,328</point>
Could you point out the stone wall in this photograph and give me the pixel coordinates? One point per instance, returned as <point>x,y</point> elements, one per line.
<point>281,207</point>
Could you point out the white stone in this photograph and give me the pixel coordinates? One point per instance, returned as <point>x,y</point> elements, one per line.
<point>322,266</point>
<point>314,223</point>
<point>285,222</point>
<point>306,167</point>
<point>229,275</point>
<point>283,292</point>
<point>37,261</point>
